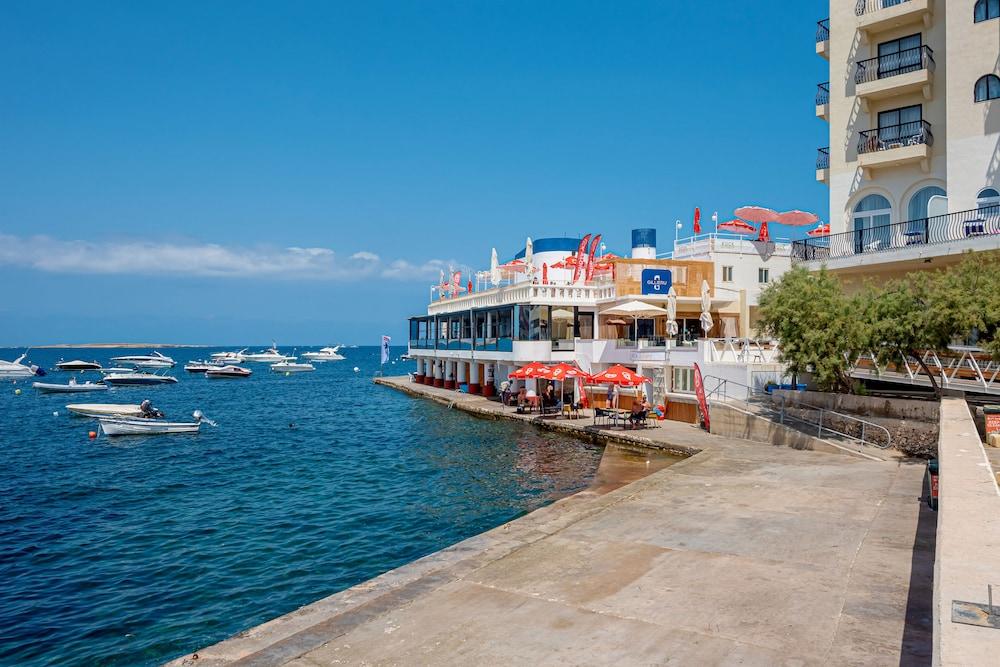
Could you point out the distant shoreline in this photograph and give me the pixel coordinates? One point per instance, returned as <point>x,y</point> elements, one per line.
<point>63,346</point>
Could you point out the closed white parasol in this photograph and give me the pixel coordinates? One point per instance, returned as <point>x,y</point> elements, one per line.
<point>706,307</point>
<point>494,269</point>
<point>529,256</point>
<point>672,328</point>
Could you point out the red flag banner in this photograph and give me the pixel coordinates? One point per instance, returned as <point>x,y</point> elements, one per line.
<point>697,220</point>
<point>699,390</point>
<point>591,265</point>
<point>580,252</point>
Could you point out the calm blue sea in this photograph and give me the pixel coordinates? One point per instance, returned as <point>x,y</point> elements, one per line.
<point>135,550</point>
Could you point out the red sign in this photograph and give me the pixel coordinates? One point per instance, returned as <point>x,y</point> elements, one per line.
<point>934,487</point>
<point>993,423</point>
<point>699,390</point>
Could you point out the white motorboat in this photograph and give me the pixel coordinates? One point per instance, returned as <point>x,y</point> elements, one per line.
<point>15,370</point>
<point>291,367</point>
<point>72,387</point>
<point>230,357</point>
<point>202,366</point>
<point>142,426</point>
<point>270,355</point>
<point>78,365</point>
<point>104,409</point>
<point>138,378</point>
<point>228,372</point>
<point>117,369</point>
<point>325,354</point>
<point>155,360</point>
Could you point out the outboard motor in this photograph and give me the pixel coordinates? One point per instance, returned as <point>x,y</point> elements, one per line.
<point>200,417</point>
<point>39,371</point>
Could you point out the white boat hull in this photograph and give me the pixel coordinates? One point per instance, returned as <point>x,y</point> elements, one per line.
<point>52,388</point>
<point>292,368</point>
<point>104,409</point>
<point>120,426</point>
<point>228,372</point>
<point>144,379</point>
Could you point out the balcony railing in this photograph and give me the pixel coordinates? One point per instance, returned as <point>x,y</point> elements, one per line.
<point>925,231</point>
<point>823,158</point>
<point>894,64</point>
<point>868,6</point>
<point>822,93</point>
<point>885,138</point>
<point>823,30</point>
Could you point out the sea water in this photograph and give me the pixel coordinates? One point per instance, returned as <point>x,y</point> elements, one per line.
<point>137,549</point>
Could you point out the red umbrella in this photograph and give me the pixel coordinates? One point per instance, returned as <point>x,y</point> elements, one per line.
<point>797,218</point>
<point>737,226</point>
<point>757,214</point>
<point>763,237</point>
<point>532,370</point>
<point>624,377</point>
<point>545,273</point>
<point>563,371</point>
<point>822,230</point>
<point>515,266</point>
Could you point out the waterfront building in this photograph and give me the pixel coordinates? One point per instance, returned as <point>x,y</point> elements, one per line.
<point>912,104</point>
<point>471,340</point>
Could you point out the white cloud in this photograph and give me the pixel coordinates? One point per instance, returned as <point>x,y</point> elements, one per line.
<point>43,253</point>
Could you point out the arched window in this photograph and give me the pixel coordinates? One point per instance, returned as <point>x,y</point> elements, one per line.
<point>988,198</point>
<point>872,216</point>
<point>918,202</point>
<point>986,9</point>
<point>988,87</point>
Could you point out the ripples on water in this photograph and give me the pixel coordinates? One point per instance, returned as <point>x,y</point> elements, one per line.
<point>136,550</point>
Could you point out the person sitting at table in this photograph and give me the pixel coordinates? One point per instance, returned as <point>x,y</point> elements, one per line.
<point>640,408</point>
<point>522,398</point>
<point>549,399</point>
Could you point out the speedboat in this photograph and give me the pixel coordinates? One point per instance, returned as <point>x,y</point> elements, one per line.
<point>270,355</point>
<point>155,360</point>
<point>143,426</point>
<point>116,369</point>
<point>15,370</point>
<point>228,372</point>
<point>78,365</point>
<point>291,367</point>
<point>104,409</point>
<point>230,357</point>
<point>138,378</point>
<point>72,387</point>
<point>202,366</point>
<point>325,354</point>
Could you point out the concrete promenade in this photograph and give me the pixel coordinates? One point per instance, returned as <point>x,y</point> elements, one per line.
<point>743,554</point>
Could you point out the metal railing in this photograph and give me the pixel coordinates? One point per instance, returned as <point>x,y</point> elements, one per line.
<point>868,6</point>
<point>914,133</point>
<point>894,64</point>
<point>823,158</point>
<point>823,30</point>
<point>924,231</point>
<point>807,416</point>
<point>822,94</point>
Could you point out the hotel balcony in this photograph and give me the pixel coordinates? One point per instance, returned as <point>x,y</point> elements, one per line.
<point>895,145</point>
<point>823,38</point>
<point>940,239</point>
<point>823,165</point>
<point>823,101</point>
<point>909,71</point>
<point>525,293</point>
<point>875,16</point>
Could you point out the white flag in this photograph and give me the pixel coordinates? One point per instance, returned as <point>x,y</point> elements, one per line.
<point>385,349</point>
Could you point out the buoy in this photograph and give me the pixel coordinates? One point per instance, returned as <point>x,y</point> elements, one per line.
<point>17,392</point>
<point>92,435</point>
<point>356,370</point>
<point>287,373</point>
<point>55,414</point>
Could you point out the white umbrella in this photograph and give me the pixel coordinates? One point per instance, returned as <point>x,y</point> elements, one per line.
<point>494,268</point>
<point>529,255</point>
<point>706,307</point>
<point>635,310</point>
<point>672,328</point>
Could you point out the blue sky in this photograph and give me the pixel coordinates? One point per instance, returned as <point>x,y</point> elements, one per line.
<point>157,161</point>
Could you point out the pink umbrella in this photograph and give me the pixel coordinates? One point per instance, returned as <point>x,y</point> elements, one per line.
<point>797,218</point>
<point>757,214</point>
<point>737,226</point>
<point>822,230</point>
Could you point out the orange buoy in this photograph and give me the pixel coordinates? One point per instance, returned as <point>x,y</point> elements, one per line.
<point>92,435</point>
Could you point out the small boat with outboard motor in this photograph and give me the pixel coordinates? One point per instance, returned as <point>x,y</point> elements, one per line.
<point>15,370</point>
<point>154,360</point>
<point>71,388</point>
<point>78,365</point>
<point>138,378</point>
<point>325,354</point>
<point>228,372</point>
<point>104,409</point>
<point>113,426</point>
<point>292,367</point>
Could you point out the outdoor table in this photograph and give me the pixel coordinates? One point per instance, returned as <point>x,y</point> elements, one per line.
<point>975,227</point>
<point>914,238</point>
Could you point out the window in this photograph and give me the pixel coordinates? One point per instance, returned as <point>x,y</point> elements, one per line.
<point>727,274</point>
<point>988,198</point>
<point>918,203</point>
<point>871,220</point>
<point>899,56</point>
<point>683,380</point>
<point>986,10</point>
<point>763,275</point>
<point>680,274</point>
<point>899,124</point>
<point>988,87</point>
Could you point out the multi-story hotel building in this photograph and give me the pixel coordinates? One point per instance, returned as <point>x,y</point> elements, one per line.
<point>912,102</point>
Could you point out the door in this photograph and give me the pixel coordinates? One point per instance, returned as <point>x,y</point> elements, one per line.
<point>898,125</point>
<point>899,56</point>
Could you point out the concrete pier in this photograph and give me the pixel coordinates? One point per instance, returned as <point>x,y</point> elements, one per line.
<point>742,553</point>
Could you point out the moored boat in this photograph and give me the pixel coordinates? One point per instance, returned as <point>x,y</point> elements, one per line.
<point>143,426</point>
<point>291,367</point>
<point>228,372</point>
<point>15,370</point>
<point>70,388</point>
<point>78,365</point>
<point>155,360</point>
<point>230,357</point>
<point>104,409</point>
<point>202,366</point>
<point>270,355</point>
<point>138,378</point>
<point>325,354</point>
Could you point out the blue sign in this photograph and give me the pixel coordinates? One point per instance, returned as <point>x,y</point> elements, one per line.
<point>656,281</point>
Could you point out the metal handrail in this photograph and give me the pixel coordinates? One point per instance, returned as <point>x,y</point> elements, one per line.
<point>823,30</point>
<point>868,6</point>
<point>822,93</point>
<point>823,158</point>
<point>913,133</point>
<point>957,226</point>
<point>783,415</point>
<point>894,64</point>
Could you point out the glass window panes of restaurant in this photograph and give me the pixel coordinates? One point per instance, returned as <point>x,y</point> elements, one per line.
<point>533,322</point>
